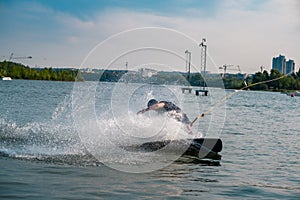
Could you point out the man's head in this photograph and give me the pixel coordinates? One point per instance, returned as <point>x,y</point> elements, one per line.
<point>151,102</point>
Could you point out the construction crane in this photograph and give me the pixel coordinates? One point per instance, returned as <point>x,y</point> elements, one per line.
<point>11,57</point>
<point>225,68</point>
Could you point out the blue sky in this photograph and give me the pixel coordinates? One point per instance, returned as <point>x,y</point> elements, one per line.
<point>61,33</point>
<point>87,8</point>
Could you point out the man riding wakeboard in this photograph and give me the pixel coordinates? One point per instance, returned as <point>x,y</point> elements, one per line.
<point>171,109</point>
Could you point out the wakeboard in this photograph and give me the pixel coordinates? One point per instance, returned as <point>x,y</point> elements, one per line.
<point>198,147</point>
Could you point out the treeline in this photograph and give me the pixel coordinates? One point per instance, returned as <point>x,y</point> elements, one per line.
<point>160,78</point>
<point>233,81</point>
<point>289,82</point>
<point>19,71</point>
<point>265,80</point>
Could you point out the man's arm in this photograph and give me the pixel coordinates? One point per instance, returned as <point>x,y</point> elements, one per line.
<point>143,111</point>
<point>153,107</point>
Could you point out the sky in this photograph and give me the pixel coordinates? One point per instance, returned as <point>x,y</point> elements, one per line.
<point>63,33</point>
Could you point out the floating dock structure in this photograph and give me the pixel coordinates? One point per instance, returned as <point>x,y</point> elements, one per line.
<point>203,47</point>
<point>184,89</point>
<point>205,92</point>
<point>197,92</point>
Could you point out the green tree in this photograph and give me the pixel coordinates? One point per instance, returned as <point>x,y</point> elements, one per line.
<point>260,77</point>
<point>19,71</point>
<point>298,73</point>
<point>273,75</point>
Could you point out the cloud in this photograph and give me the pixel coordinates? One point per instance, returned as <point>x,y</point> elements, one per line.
<point>245,33</point>
<point>236,35</point>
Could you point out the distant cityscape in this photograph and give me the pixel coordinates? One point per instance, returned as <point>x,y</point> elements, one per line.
<point>282,65</point>
<point>10,70</point>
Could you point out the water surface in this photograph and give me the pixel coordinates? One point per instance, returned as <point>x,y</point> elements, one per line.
<point>43,157</point>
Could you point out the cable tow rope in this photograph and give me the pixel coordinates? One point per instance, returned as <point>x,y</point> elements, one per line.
<point>228,96</point>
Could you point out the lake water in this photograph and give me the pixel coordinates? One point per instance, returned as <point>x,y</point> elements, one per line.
<point>52,133</point>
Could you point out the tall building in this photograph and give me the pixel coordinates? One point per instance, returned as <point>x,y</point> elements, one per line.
<point>279,63</point>
<point>283,66</point>
<point>290,66</point>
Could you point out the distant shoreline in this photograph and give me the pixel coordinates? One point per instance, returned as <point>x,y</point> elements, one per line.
<point>290,83</point>
<point>20,71</point>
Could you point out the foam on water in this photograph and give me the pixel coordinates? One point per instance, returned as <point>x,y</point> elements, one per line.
<point>106,120</point>
<point>39,140</point>
<point>106,140</point>
<point>103,138</point>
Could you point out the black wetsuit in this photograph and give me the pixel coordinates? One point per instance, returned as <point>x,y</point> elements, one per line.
<point>174,112</point>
